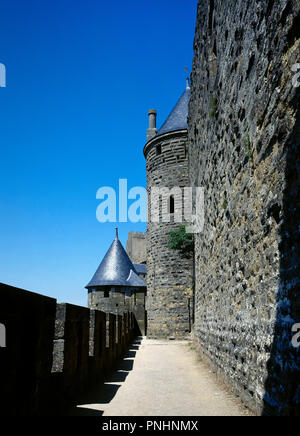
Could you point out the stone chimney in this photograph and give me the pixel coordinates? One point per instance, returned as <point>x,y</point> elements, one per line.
<point>152,130</point>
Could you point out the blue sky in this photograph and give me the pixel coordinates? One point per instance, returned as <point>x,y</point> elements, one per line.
<point>81,77</point>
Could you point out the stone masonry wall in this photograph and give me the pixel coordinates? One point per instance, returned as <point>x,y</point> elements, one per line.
<point>110,302</point>
<point>54,353</point>
<point>136,247</point>
<point>169,276</point>
<point>244,150</point>
<point>118,303</point>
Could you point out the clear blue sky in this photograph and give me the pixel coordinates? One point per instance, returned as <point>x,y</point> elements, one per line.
<point>81,77</point>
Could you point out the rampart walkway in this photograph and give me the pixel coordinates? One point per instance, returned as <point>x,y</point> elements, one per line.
<point>162,378</point>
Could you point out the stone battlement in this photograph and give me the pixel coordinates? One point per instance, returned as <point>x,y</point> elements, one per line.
<point>54,351</point>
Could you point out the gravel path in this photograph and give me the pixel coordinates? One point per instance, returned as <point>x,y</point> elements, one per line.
<point>163,378</point>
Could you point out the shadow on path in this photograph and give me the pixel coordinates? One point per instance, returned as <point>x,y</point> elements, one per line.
<point>106,388</point>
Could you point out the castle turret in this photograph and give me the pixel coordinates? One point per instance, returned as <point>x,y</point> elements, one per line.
<point>169,275</point>
<point>116,287</point>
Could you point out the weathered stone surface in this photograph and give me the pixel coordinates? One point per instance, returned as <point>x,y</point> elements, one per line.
<point>138,309</point>
<point>136,247</point>
<point>25,362</point>
<point>53,352</point>
<point>244,150</point>
<point>70,369</point>
<point>120,303</point>
<point>169,275</point>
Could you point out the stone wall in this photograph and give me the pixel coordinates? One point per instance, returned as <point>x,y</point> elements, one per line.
<point>138,310</point>
<point>169,275</point>
<point>136,247</point>
<point>54,353</point>
<point>120,302</point>
<point>109,301</point>
<point>26,360</point>
<point>244,150</point>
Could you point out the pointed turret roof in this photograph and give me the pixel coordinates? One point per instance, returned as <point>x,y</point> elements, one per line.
<point>116,269</point>
<point>177,120</point>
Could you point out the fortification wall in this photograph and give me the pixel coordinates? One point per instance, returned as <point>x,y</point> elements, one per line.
<point>244,150</point>
<point>54,353</point>
<point>136,247</point>
<point>119,303</point>
<point>169,275</point>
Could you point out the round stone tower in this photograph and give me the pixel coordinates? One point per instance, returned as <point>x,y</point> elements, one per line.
<point>169,275</point>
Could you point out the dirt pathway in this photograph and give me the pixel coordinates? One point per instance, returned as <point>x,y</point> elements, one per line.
<point>164,378</point>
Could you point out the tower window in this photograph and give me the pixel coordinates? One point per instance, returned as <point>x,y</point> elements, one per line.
<point>158,150</point>
<point>171,204</point>
<point>106,293</point>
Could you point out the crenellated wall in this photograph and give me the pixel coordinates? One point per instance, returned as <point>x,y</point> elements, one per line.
<point>244,150</point>
<point>54,352</point>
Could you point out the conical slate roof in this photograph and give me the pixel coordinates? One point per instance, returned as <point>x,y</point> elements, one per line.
<point>177,120</point>
<point>135,280</point>
<point>116,269</point>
